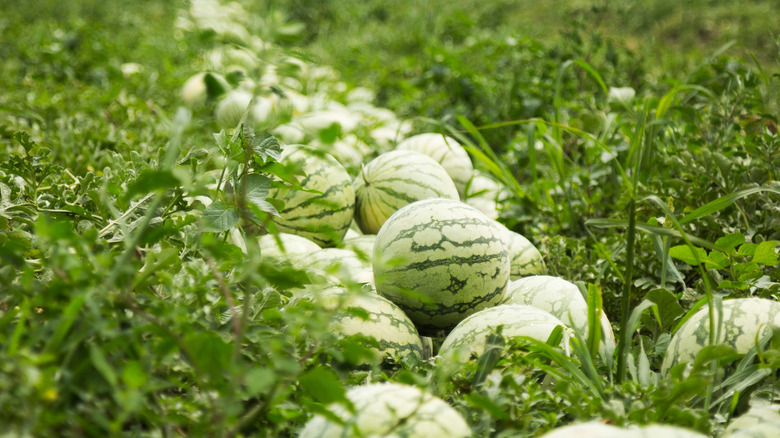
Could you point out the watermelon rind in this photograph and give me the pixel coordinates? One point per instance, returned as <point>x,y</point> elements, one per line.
<point>440,260</point>
<point>390,410</point>
<point>744,321</point>
<point>393,180</point>
<point>447,152</point>
<point>323,211</point>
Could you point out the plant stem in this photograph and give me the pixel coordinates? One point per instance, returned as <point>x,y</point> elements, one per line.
<point>623,346</point>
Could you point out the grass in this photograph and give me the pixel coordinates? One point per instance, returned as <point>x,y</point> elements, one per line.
<point>128,307</point>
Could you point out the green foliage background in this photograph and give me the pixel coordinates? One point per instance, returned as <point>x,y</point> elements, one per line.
<point>119,315</point>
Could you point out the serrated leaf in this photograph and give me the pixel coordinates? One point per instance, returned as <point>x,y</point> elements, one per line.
<point>151,181</point>
<point>264,147</point>
<point>219,217</point>
<point>257,186</point>
<point>765,253</point>
<point>684,253</point>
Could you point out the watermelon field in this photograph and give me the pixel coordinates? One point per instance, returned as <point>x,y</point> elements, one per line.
<point>321,218</point>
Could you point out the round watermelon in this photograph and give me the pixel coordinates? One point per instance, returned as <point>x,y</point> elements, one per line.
<point>393,180</point>
<point>744,321</point>
<point>524,258</point>
<point>447,152</point>
<point>561,298</point>
<point>285,245</point>
<point>390,410</point>
<point>323,210</point>
<point>362,245</point>
<point>484,193</point>
<point>517,320</point>
<point>440,260</point>
<point>762,420</point>
<point>389,325</point>
<point>343,264</point>
<point>597,429</point>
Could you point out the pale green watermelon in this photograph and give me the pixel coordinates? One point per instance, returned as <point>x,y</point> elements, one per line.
<point>285,245</point>
<point>762,420</point>
<point>561,298</point>
<point>362,245</point>
<point>343,264</point>
<point>524,258</point>
<point>485,193</point>
<point>447,152</point>
<point>597,429</point>
<point>393,180</point>
<point>386,323</point>
<point>470,336</point>
<point>390,410</point>
<point>744,321</point>
<point>440,260</point>
<point>324,211</point>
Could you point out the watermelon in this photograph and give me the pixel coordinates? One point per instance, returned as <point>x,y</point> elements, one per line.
<point>484,194</point>
<point>389,325</point>
<point>744,321</point>
<point>283,245</point>
<point>324,211</point>
<point>762,420</point>
<point>440,260</point>
<point>363,245</point>
<point>561,298</point>
<point>341,263</point>
<point>597,429</point>
<point>447,152</point>
<point>393,180</point>
<point>390,410</point>
<point>524,258</point>
<point>517,320</point>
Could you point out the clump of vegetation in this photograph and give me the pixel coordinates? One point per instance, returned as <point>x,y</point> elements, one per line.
<point>168,270</point>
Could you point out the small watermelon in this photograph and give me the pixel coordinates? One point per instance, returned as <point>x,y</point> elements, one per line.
<point>597,429</point>
<point>284,245</point>
<point>524,258</point>
<point>561,298</point>
<point>440,260</point>
<point>762,420</point>
<point>393,180</point>
<point>390,410</point>
<point>744,321</point>
<point>323,211</point>
<point>389,325</point>
<point>470,336</point>
<point>341,263</point>
<point>447,152</point>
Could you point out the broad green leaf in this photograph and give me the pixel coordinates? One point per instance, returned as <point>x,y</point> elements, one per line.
<point>134,375</point>
<point>684,253</point>
<point>669,307</point>
<point>219,217</point>
<point>259,380</point>
<point>717,260</point>
<point>256,186</point>
<point>731,240</point>
<point>264,147</point>
<point>209,353</point>
<point>765,254</point>
<point>151,181</point>
<point>323,385</point>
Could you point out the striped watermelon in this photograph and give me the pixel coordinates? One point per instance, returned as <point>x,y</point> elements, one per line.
<point>386,323</point>
<point>343,264</point>
<point>471,334</point>
<point>447,152</point>
<point>440,260</point>
<point>561,298</point>
<point>524,258</point>
<point>484,194</point>
<point>744,321</point>
<point>390,410</point>
<point>762,420</point>
<point>324,211</point>
<point>597,429</point>
<point>284,245</point>
<point>362,245</point>
<point>393,180</point>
